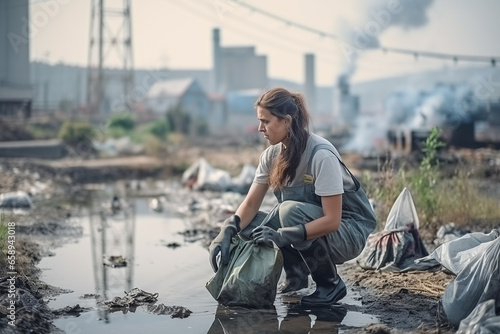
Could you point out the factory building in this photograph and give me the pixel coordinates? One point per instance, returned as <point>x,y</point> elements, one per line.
<point>237,68</point>
<point>15,86</point>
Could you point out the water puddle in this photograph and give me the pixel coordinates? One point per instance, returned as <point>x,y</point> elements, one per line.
<point>161,260</point>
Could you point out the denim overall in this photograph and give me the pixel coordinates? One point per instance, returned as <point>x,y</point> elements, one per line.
<point>300,205</point>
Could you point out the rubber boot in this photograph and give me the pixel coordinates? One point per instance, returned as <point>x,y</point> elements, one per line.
<point>295,269</point>
<point>329,286</point>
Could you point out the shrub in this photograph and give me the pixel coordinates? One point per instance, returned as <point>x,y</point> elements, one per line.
<point>159,129</point>
<point>74,133</point>
<point>122,121</point>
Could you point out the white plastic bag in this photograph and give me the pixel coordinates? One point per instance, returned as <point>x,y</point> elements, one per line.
<point>483,320</point>
<point>456,254</point>
<point>477,282</point>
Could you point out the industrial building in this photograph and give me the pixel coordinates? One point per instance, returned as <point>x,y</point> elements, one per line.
<point>15,84</point>
<point>168,94</point>
<point>237,68</point>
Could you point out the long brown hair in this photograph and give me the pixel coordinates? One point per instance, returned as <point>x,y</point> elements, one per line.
<point>282,103</point>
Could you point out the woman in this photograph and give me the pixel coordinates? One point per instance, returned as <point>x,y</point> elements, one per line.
<point>323,216</point>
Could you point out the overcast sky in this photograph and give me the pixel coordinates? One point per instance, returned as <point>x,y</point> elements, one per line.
<point>178,33</point>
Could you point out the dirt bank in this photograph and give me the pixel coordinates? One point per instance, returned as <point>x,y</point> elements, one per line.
<point>403,302</point>
<point>36,235</point>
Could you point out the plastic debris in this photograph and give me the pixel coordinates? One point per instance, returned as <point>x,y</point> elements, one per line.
<point>132,299</point>
<point>16,200</point>
<point>173,311</point>
<point>113,261</point>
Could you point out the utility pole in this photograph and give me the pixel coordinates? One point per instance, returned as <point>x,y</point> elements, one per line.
<point>110,45</point>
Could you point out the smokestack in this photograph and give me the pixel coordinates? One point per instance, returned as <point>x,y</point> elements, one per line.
<point>310,85</point>
<point>217,66</point>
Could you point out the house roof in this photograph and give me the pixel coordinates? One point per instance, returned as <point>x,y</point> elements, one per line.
<point>170,87</point>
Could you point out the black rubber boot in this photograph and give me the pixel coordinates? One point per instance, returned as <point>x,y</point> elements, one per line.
<point>295,269</point>
<point>329,286</point>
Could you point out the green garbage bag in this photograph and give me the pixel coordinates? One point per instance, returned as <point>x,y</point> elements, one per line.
<point>251,276</point>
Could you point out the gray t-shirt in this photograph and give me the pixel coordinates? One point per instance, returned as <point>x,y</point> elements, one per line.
<point>326,170</point>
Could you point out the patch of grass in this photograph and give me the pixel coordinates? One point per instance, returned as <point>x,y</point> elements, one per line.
<point>462,201</point>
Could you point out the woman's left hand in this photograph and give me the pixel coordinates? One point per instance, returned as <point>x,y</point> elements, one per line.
<point>282,237</point>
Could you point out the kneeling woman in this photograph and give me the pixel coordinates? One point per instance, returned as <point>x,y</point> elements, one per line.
<point>323,216</point>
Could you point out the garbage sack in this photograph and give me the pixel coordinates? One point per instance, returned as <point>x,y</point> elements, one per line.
<point>251,276</point>
<point>455,255</point>
<point>482,320</point>
<point>449,232</point>
<point>203,176</point>
<point>397,246</point>
<point>477,282</point>
<point>402,213</point>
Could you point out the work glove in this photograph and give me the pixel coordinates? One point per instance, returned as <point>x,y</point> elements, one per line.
<point>284,236</point>
<point>221,243</point>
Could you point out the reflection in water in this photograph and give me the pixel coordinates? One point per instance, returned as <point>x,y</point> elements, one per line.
<point>112,229</point>
<point>230,320</point>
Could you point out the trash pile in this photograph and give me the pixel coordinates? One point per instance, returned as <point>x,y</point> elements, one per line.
<point>203,176</point>
<point>471,301</point>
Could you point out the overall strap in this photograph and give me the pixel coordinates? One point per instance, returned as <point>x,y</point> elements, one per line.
<point>329,147</point>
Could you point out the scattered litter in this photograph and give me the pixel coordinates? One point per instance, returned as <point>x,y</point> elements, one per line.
<point>131,300</point>
<point>173,311</point>
<point>156,204</point>
<point>137,297</point>
<point>90,296</point>
<point>115,261</point>
<point>173,245</point>
<point>16,200</point>
<point>71,310</point>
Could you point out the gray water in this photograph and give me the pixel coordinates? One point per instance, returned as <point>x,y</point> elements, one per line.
<point>177,274</point>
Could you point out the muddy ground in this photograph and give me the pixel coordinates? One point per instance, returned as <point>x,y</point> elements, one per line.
<point>403,302</point>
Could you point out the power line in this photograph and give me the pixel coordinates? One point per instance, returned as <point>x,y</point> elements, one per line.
<point>416,53</point>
